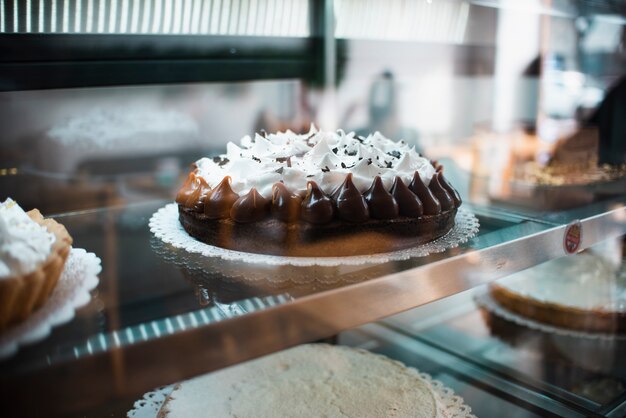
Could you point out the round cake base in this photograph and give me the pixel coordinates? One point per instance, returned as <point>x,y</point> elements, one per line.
<point>314,379</point>
<point>300,239</point>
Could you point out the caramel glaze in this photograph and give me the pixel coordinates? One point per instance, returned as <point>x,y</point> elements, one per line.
<point>429,201</point>
<point>285,204</point>
<point>193,193</point>
<point>409,204</point>
<point>451,190</point>
<point>251,207</point>
<point>351,205</point>
<point>218,203</point>
<point>317,208</point>
<point>445,200</point>
<point>382,205</point>
<point>186,189</point>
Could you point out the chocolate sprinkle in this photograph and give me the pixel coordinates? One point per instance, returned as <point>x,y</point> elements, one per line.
<point>258,160</point>
<point>326,169</point>
<point>284,159</point>
<point>280,170</point>
<point>395,154</point>
<point>221,161</point>
<point>343,165</point>
<point>335,150</point>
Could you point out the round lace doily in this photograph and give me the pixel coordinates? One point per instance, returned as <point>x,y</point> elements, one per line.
<point>165,225</point>
<point>450,405</point>
<point>216,272</point>
<point>79,277</point>
<point>486,301</point>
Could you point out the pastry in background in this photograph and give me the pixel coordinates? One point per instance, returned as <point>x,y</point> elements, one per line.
<point>585,292</point>
<point>519,169</point>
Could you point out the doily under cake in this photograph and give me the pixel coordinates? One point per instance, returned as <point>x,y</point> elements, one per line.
<point>165,225</point>
<point>450,405</point>
<point>79,277</point>
<point>205,271</point>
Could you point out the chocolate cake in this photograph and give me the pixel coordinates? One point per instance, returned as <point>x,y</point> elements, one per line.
<point>318,194</point>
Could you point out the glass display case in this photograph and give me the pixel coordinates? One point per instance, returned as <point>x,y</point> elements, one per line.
<point>105,104</point>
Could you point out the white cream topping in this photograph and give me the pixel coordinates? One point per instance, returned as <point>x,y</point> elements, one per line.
<point>24,244</point>
<point>585,281</point>
<point>324,157</point>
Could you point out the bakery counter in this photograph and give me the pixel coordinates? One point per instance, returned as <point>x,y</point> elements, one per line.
<point>161,315</point>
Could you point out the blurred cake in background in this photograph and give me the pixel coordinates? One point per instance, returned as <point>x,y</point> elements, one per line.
<point>585,292</point>
<point>116,133</point>
<point>573,161</point>
<point>521,169</point>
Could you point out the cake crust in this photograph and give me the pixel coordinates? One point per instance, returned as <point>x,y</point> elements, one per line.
<point>570,317</point>
<point>302,239</point>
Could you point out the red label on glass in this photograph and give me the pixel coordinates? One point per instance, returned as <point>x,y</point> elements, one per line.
<point>573,237</point>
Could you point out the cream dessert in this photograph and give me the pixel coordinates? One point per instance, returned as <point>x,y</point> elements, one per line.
<point>317,194</point>
<point>24,244</point>
<point>583,292</point>
<point>33,251</point>
<point>309,380</point>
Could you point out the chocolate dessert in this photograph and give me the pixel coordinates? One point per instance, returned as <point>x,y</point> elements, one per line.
<point>319,194</point>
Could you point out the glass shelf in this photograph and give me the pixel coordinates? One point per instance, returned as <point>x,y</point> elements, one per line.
<point>158,305</point>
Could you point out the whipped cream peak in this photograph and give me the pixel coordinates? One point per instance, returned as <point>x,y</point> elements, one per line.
<point>24,244</point>
<point>320,156</point>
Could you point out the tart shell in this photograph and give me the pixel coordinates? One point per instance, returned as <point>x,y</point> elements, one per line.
<point>22,294</point>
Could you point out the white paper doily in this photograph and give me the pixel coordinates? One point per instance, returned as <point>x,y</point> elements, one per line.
<point>450,405</point>
<point>79,277</point>
<point>166,226</point>
<point>486,301</point>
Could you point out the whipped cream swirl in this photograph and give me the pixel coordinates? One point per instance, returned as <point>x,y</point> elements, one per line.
<point>24,244</point>
<point>324,157</point>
